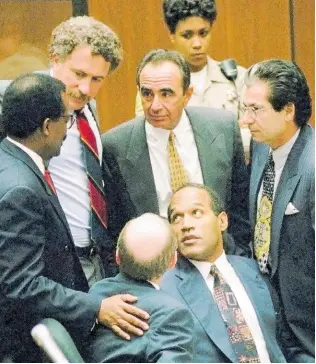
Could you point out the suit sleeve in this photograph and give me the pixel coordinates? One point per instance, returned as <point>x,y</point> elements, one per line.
<point>172,340</point>
<point>238,211</point>
<point>22,280</point>
<point>120,207</point>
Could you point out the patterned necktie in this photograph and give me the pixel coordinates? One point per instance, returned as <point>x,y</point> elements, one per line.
<point>237,328</point>
<point>262,235</point>
<point>178,175</point>
<point>49,180</point>
<point>98,218</point>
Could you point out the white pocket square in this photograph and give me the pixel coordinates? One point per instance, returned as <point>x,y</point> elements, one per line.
<point>291,209</point>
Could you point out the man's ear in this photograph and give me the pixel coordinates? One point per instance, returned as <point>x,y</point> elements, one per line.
<point>173,260</point>
<point>117,257</point>
<point>222,219</point>
<point>171,37</point>
<point>188,95</point>
<point>46,126</point>
<point>289,112</point>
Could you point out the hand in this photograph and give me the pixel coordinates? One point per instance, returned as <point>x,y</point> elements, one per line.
<point>120,316</point>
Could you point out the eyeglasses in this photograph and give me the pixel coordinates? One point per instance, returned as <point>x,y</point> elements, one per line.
<point>253,111</point>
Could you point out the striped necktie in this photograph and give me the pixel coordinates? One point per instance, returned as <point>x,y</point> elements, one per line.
<point>98,217</point>
<point>262,234</point>
<point>237,328</point>
<point>178,175</point>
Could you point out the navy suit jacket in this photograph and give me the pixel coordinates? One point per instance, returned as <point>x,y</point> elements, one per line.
<point>292,247</point>
<point>212,343</point>
<point>169,338</point>
<point>221,156</point>
<point>40,273</point>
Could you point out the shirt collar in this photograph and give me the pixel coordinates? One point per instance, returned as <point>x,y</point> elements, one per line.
<point>156,286</point>
<point>37,159</point>
<point>204,267</point>
<point>159,135</point>
<point>280,154</point>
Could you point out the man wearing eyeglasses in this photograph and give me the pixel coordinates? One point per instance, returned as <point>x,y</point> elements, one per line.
<point>277,107</point>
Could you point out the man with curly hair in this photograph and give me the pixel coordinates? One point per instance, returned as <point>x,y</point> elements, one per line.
<point>43,276</point>
<point>190,24</point>
<point>83,51</point>
<point>277,108</point>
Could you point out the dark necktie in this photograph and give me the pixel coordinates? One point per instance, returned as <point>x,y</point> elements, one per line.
<point>237,328</point>
<point>49,180</point>
<point>98,216</point>
<point>262,235</point>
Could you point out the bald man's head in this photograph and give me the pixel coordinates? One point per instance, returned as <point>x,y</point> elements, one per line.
<point>146,246</point>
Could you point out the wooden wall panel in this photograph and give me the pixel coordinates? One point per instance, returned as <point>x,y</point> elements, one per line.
<point>29,23</point>
<point>304,42</point>
<point>246,30</point>
<point>251,31</point>
<point>140,27</point>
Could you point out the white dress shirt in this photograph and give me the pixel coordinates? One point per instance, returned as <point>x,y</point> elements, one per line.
<point>241,295</point>
<point>279,157</point>
<point>69,175</point>
<point>157,140</point>
<point>34,156</point>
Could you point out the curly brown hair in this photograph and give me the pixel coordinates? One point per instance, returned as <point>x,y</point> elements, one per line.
<point>85,30</point>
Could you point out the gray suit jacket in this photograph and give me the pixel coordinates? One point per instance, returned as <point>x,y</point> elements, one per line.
<point>292,248</point>
<point>221,156</point>
<point>168,340</point>
<point>212,343</point>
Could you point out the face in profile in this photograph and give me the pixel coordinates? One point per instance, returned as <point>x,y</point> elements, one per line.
<point>197,228</point>
<point>162,94</point>
<point>192,38</point>
<point>265,124</point>
<point>83,74</point>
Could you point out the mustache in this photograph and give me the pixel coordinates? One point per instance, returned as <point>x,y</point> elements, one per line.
<point>76,94</point>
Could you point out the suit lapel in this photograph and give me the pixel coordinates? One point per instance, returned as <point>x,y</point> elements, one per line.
<point>259,296</point>
<point>208,142</point>
<point>203,306</point>
<point>290,177</point>
<point>138,171</point>
<point>18,153</point>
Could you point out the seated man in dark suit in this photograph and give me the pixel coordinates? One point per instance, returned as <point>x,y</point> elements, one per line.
<point>146,249</point>
<point>233,313</point>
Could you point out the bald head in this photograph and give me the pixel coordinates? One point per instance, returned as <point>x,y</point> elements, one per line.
<point>146,247</point>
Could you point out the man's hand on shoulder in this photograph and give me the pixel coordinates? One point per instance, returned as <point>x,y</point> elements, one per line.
<point>121,317</point>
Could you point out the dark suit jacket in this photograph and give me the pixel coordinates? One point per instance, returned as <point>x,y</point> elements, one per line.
<point>40,274</point>
<point>292,248</point>
<point>106,244</point>
<point>221,156</point>
<point>186,284</point>
<point>169,338</point>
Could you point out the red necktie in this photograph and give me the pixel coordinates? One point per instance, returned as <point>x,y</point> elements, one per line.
<point>49,180</point>
<point>94,173</point>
